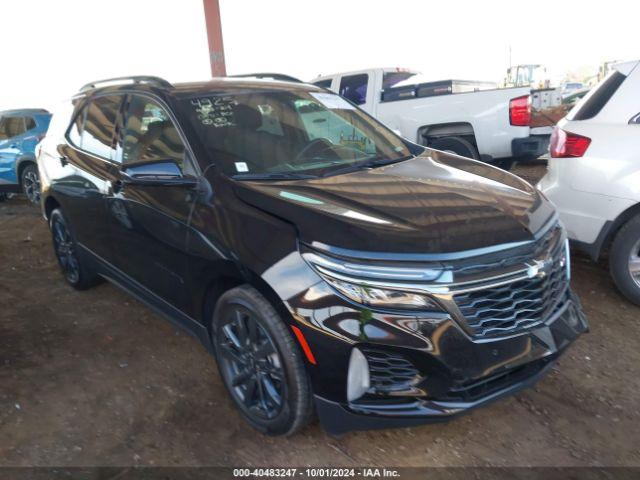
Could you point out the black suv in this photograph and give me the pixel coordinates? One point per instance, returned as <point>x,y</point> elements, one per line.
<point>324,261</point>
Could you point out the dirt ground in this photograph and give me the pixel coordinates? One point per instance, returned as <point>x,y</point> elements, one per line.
<point>95,378</point>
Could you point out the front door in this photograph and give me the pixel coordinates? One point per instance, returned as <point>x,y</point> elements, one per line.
<point>88,159</point>
<point>149,222</point>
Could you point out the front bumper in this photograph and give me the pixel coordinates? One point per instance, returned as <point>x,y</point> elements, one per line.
<point>530,147</point>
<point>529,358</point>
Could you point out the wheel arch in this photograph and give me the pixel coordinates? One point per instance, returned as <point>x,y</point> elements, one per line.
<point>610,230</point>
<point>429,133</point>
<point>219,283</point>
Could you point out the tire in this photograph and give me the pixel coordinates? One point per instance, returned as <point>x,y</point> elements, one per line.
<point>3,197</point>
<point>30,183</point>
<point>457,145</point>
<point>624,260</point>
<point>260,364</point>
<point>75,270</point>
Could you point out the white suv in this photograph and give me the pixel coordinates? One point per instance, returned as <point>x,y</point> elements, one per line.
<point>594,174</point>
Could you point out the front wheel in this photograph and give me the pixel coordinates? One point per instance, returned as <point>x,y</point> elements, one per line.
<point>624,260</point>
<point>260,363</point>
<point>30,182</point>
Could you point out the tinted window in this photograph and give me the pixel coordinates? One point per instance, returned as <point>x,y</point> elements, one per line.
<point>100,120</point>
<point>29,123</point>
<point>11,127</point>
<point>391,79</point>
<point>354,88</point>
<point>288,132</point>
<point>150,135</point>
<point>598,98</point>
<point>75,130</point>
<point>324,83</point>
<point>635,120</point>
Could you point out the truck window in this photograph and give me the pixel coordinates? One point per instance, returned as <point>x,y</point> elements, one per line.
<point>354,88</point>
<point>324,83</point>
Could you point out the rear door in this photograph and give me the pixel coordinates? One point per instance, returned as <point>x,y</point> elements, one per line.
<point>148,223</point>
<point>12,129</point>
<point>88,158</point>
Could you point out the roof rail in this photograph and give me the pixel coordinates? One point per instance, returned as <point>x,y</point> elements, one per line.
<point>274,76</point>
<point>160,82</point>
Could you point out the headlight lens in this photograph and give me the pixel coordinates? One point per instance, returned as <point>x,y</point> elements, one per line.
<point>376,297</point>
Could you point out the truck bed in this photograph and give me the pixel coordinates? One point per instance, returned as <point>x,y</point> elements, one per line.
<point>432,89</point>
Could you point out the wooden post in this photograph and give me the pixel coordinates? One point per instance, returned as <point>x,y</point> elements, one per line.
<point>214,35</point>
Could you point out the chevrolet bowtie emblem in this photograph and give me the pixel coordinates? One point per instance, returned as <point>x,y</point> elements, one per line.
<point>539,268</point>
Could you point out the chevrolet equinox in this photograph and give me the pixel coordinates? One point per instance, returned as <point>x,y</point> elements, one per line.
<point>327,264</point>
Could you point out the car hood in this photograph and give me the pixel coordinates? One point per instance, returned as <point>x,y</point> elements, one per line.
<point>435,203</point>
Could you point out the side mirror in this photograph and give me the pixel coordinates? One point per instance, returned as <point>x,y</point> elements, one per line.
<point>158,173</point>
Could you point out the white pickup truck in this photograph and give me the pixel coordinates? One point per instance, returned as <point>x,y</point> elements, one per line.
<point>473,119</point>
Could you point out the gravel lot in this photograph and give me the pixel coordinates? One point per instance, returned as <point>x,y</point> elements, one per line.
<point>95,378</point>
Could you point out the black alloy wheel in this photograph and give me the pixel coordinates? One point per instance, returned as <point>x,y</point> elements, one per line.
<point>251,364</point>
<point>64,248</point>
<point>74,268</point>
<point>261,364</point>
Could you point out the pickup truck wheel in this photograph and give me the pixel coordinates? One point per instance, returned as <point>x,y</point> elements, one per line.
<point>260,363</point>
<point>624,260</point>
<point>457,145</point>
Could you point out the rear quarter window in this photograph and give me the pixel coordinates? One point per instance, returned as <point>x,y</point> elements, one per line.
<point>595,102</point>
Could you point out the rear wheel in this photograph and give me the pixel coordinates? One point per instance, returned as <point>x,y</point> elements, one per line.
<point>75,271</point>
<point>259,362</point>
<point>30,182</point>
<point>457,145</point>
<point>624,260</point>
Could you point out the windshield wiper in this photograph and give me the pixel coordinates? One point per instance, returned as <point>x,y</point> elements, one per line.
<point>370,163</point>
<point>273,176</point>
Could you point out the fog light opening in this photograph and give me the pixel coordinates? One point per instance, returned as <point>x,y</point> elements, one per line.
<point>358,380</point>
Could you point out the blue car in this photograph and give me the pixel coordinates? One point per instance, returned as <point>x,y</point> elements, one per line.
<point>20,132</point>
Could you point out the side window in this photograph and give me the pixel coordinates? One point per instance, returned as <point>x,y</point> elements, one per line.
<point>29,123</point>
<point>354,88</point>
<point>3,128</point>
<point>100,120</point>
<point>635,120</point>
<point>150,135</point>
<point>75,130</point>
<point>324,83</point>
<point>11,127</point>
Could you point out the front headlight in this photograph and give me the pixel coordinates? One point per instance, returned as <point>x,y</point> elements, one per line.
<point>365,284</point>
<point>379,297</point>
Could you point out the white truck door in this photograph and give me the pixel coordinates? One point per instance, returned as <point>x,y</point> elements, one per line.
<point>358,88</point>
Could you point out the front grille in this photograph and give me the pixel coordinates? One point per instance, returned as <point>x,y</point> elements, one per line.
<point>390,371</point>
<point>519,305</point>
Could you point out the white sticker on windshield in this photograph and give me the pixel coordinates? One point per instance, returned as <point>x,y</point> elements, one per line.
<point>242,167</point>
<point>332,101</point>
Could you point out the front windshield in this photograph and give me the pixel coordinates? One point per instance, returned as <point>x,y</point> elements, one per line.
<point>275,132</point>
